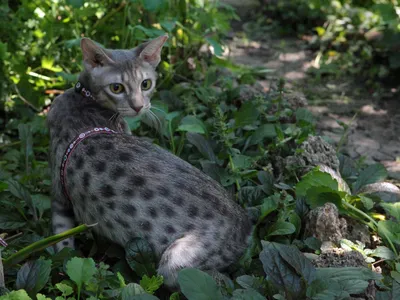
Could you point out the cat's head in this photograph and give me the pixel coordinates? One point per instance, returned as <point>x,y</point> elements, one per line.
<point>122,80</point>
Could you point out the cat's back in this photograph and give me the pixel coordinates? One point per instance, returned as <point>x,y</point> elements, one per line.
<point>134,188</point>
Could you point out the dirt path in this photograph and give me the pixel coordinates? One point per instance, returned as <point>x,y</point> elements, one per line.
<point>374,123</point>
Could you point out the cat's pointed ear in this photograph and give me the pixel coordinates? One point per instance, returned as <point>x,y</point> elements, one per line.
<point>151,51</point>
<point>94,55</point>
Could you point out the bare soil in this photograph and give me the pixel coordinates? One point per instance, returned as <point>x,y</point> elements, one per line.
<point>373,121</point>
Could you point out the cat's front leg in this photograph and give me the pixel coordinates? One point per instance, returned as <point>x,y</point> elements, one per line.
<point>63,219</point>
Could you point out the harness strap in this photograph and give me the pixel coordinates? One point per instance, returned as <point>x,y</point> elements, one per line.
<point>72,146</point>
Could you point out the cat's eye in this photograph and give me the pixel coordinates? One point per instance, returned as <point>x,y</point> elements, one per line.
<point>146,84</point>
<point>116,88</point>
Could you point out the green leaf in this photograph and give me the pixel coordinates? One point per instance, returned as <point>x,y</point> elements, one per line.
<point>386,11</point>
<point>19,191</point>
<point>266,131</point>
<point>351,280</point>
<point>247,281</point>
<point>313,243</point>
<point>192,124</point>
<point>16,295</point>
<point>41,203</point>
<point>131,290</point>
<point>43,297</point>
<point>202,145</point>
<point>196,284</point>
<point>367,202</point>
<point>242,161</point>
<point>392,209</point>
<point>305,115</point>
<point>318,196</point>
<point>269,205</point>
<point>11,221</point>
<point>65,289</point>
<point>152,5</point>
<point>287,268</point>
<point>80,270</point>
<point>76,3</point>
<point>150,285</point>
<point>389,229</point>
<point>315,178</point>
<point>321,289</point>
<point>248,294</point>
<point>246,115</point>
<point>140,257</point>
<point>216,46</point>
<point>281,228</point>
<point>34,275</point>
<point>371,174</point>
<point>143,297</point>
<point>383,252</point>
<point>267,181</point>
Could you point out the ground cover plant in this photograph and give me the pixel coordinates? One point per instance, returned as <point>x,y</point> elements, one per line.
<point>358,38</point>
<point>201,115</point>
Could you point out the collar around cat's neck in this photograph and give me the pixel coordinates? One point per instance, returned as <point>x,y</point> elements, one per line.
<point>80,89</point>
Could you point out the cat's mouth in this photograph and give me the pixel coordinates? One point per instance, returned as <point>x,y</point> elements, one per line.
<point>133,113</point>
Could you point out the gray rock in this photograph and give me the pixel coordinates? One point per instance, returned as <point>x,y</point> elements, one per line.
<point>315,152</point>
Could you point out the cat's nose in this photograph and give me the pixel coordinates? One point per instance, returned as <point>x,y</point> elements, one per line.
<point>137,108</point>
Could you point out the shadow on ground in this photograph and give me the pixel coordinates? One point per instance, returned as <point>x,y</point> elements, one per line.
<point>373,123</point>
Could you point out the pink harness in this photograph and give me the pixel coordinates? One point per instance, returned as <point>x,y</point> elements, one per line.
<point>72,146</point>
<point>80,89</point>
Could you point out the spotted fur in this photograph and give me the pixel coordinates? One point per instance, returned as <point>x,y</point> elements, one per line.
<point>129,186</point>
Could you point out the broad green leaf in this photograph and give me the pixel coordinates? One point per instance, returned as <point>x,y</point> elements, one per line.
<point>131,290</point>
<point>242,161</point>
<point>383,252</point>
<point>152,5</point>
<point>248,294</point>
<point>140,257</point>
<point>386,11</point>
<point>41,202</point>
<point>216,46</point>
<point>286,268</point>
<point>246,115</point>
<point>196,284</point>
<point>315,178</point>
<point>267,181</point>
<point>150,285</point>
<point>76,3</point>
<point>43,297</point>
<point>392,209</point>
<point>352,280</point>
<point>313,243</point>
<point>65,289</point>
<point>318,196</point>
<point>321,289</point>
<point>80,270</point>
<point>11,221</point>
<point>389,229</point>
<point>202,145</point>
<point>33,275</point>
<point>305,115</point>
<point>192,124</point>
<point>16,295</point>
<point>281,228</point>
<point>19,191</point>
<point>269,205</point>
<point>247,281</point>
<point>367,202</point>
<point>371,174</point>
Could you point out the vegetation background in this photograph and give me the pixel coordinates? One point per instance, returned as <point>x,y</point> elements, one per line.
<point>211,112</point>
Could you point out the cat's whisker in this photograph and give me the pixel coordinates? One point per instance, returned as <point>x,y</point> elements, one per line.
<point>156,108</point>
<point>157,119</point>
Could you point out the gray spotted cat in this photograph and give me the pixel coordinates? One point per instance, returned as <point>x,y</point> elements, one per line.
<point>130,187</point>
